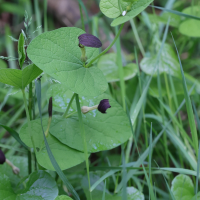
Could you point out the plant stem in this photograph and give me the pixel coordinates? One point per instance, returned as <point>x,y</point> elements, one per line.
<point>38,17</point>
<point>82,129</point>
<point>30,100</point>
<point>28,119</point>
<point>45,16</point>
<point>82,19</point>
<point>103,52</point>
<point>68,107</point>
<point>120,71</point>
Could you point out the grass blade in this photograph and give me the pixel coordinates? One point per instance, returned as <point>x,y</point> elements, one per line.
<point>53,160</point>
<point>188,106</point>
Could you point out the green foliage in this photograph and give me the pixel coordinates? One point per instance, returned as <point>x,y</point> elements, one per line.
<point>167,63</point>
<point>57,53</point>
<point>6,188</point>
<point>21,50</point>
<point>2,64</point>
<point>108,65</point>
<point>59,150</point>
<point>183,188</point>
<point>38,186</point>
<point>194,25</point>
<point>19,78</point>
<point>63,197</point>
<point>136,9</point>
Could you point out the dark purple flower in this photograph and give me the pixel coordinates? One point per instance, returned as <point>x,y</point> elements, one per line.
<point>2,157</point>
<point>89,40</point>
<point>50,107</point>
<point>103,105</point>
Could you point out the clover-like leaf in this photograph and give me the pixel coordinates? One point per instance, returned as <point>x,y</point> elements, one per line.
<point>19,78</point>
<point>103,131</point>
<point>194,25</point>
<point>57,53</point>
<point>182,187</point>
<point>136,9</point>
<point>108,65</point>
<point>167,63</point>
<point>65,156</point>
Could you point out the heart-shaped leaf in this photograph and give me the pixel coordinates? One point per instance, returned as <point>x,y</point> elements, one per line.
<point>167,63</point>
<point>57,53</point>
<point>194,30</point>
<point>6,191</point>
<point>39,186</point>
<point>63,197</point>
<point>136,9</point>
<point>19,78</point>
<point>183,187</point>
<point>65,156</point>
<point>108,65</point>
<point>103,131</point>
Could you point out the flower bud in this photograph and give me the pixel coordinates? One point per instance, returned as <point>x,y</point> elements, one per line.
<point>50,107</point>
<point>104,105</point>
<point>2,157</point>
<point>89,40</point>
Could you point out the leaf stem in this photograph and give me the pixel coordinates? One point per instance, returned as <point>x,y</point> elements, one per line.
<point>103,52</point>
<point>82,129</point>
<point>68,107</point>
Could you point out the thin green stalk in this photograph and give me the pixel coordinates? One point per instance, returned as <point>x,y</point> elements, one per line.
<point>163,117</point>
<point>38,16</point>
<point>68,107</point>
<point>45,16</point>
<point>28,119</point>
<point>119,5</point>
<point>82,129</point>
<point>137,37</point>
<point>82,19</point>
<point>103,52</point>
<point>30,100</point>
<point>143,107</point>
<point>120,70</point>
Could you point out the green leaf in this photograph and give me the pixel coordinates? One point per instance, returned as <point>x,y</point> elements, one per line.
<point>39,186</point>
<point>174,19</point>
<point>103,131</point>
<point>21,163</point>
<point>167,63</point>
<point>110,8</point>
<point>194,30</point>
<point>57,53</point>
<point>21,50</point>
<point>153,91</point>
<point>183,187</point>
<point>2,64</point>
<point>108,65</point>
<point>59,150</point>
<point>136,9</point>
<point>6,190</point>
<point>63,197</point>
<point>19,78</point>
